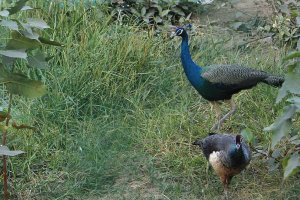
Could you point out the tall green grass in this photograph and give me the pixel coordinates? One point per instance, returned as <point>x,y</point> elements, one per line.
<point>119,117</point>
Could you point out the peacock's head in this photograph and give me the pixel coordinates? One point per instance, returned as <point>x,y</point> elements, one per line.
<point>238,141</point>
<point>180,31</point>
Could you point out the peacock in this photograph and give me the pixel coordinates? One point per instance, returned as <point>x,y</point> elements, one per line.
<point>227,154</point>
<point>219,82</point>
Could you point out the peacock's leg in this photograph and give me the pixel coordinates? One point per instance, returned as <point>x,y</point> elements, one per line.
<point>216,107</point>
<point>231,112</point>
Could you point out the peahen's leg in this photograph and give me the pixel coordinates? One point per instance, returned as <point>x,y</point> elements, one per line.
<point>226,195</point>
<point>216,107</point>
<point>226,185</point>
<point>231,112</point>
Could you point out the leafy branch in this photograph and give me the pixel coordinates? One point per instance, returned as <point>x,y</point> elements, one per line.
<point>24,44</point>
<point>284,129</point>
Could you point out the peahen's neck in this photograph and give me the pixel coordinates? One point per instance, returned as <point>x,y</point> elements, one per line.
<point>237,156</point>
<point>191,70</point>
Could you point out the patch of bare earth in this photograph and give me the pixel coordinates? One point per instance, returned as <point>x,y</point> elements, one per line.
<point>220,18</point>
<point>242,10</point>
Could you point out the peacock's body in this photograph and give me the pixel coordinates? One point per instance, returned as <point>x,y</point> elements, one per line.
<point>220,82</point>
<point>227,154</point>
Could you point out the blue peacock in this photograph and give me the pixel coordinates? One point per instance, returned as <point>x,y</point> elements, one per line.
<point>227,154</point>
<point>219,82</point>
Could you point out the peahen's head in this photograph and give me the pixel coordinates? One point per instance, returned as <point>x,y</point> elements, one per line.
<point>237,148</point>
<point>240,154</point>
<point>238,141</point>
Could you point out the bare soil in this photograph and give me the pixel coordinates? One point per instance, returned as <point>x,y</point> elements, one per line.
<point>242,10</point>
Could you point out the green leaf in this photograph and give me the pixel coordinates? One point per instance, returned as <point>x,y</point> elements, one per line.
<point>2,127</point>
<point>4,151</point>
<point>276,153</point>
<point>10,24</point>
<point>38,61</point>
<point>143,11</point>
<point>178,11</point>
<point>280,132</point>
<point>157,19</point>
<point>248,135</point>
<point>291,67</point>
<point>150,13</point>
<point>50,42</point>
<point>291,84</point>
<point>282,124</point>
<point>298,21</point>
<point>4,13</point>
<point>292,56</point>
<point>295,140</point>
<point>135,12</point>
<point>188,17</point>
<point>292,166</point>
<point>8,61</point>
<point>19,41</point>
<point>295,101</point>
<point>272,165</point>
<point>19,84</point>
<point>236,25</point>
<point>3,73</point>
<point>18,6</point>
<point>37,23</point>
<point>3,115</point>
<point>20,53</point>
<point>165,12</point>
<point>26,8</point>
<point>29,34</point>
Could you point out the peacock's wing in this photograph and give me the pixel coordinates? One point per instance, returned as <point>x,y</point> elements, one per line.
<point>233,75</point>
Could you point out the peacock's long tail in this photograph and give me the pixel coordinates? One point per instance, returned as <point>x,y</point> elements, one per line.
<point>275,81</point>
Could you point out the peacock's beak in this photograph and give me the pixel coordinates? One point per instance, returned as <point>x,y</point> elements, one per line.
<point>172,29</point>
<point>173,34</point>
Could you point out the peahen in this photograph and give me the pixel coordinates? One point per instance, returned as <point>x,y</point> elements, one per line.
<point>227,154</point>
<point>220,82</point>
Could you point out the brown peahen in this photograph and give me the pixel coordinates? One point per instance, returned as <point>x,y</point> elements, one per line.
<point>227,154</point>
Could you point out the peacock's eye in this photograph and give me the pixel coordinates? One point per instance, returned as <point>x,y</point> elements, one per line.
<point>179,31</point>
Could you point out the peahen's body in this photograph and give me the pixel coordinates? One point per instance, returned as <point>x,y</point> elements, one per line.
<point>220,82</point>
<point>227,154</point>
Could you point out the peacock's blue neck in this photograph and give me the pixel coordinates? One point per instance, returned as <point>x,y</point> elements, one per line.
<point>191,70</point>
